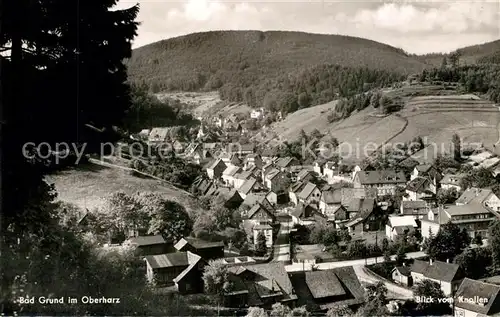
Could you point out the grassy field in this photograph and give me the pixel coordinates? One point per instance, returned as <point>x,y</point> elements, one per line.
<point>435,117</point>
<point>88,185</point>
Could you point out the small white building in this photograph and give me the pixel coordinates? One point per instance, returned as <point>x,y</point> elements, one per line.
<point>398,225</point>
<point>267,230</point>
<point>257,113</point>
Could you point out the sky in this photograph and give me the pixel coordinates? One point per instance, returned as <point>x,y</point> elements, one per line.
<point>416,26</point>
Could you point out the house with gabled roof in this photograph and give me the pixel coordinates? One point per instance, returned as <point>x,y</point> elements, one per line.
<point>229,174</point>
<point>241,177</point>
<point>305,175</point>
<point>294,190</point>
<point>309,194</point>
<point>385,181</point>
<point>418,209</point>
<point>208,250</point>
<point>330,205</point>
<point>362,217</point>
<point>402,275</point>
<point>249,186</point>
<point>286,163</point>
<point>306,214</point>
<point>269,154</point>
<point>427,171</point>
<point>231,197</point>
<point>150,245</point>
<point>230,159</point>
<point>259,214</point>
<point>399,225</point>
<point>448,275</point>
<point>276,180</point>
<point>475,298</point>
<point>474,210</point>
<point>253,159</point>
<point>420,188</point>
<point>257,198</point>
<point>260,285</point>
<point>182,269</point>
<point>215,169</point>
<point>325,289</point>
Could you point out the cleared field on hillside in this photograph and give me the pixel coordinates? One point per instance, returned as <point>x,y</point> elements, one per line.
<point>88,185</point>
<point>307,119</point>
<point>435,118</point>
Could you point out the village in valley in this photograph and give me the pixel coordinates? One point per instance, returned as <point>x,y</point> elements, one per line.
<point>284,230</point>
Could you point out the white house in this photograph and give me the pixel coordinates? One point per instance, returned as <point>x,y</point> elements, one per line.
<point>257,113</point>
<point>447,275</point>
<point>419,188</point>
<point>228,176</point>
<point>310,193</point>
<point>398,225</point>
<point>452,181</point>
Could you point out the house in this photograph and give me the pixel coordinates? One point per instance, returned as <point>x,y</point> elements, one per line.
<point>329,169</point>
<point>309,194</point>
<point>215,170</point>
<point>318,168</point>
<point>259,214</point>
<point>250,185</point>
<point>306,215</point>
<point>447,275</point>
<point>206,249</point>
<point>305,175</point>
<point>474,210</point>
<point>257,198</point>
<point>159,135</point>
<point>311,254</point>
<point>150,245</point>
<point>253,160</point>
<point>330,205</point>
<point>182,269</point>
<point>246,149</point>
<point>241,178</point>
<point>452,181</point>
<point>402,275</point>
<point>278,198</point>
<point>230,159</point>
<point>259,285</point>
<point>361,212</point>
<point>418,209</point>
<point>432,222</point>
<point>276,180</point>
<point>428,171</point>
<point>286,163</point>
<point>201,156</point>
<point>398,226</point>
<point>229,175</point>
<point>294,190</point>
<point>257,113</point>
<point>267,230</point>
<point>475,298</point>
<point>269,154</point>
<point>231,197</point>
<point>385,181</point>
<point>420,188</point>
<point>325,289</point>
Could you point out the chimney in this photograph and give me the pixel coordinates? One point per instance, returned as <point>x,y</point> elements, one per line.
<point>447,260</point>
<point>430,261</point>
<point>404,264</point>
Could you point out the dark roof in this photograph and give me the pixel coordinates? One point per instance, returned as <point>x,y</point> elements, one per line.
<point>473,195</point>
<point>414,207</point>
<point>324,284</point>
<point>297,187</point>
<point>381,177</point>
<point>215,163</point>
<point>332,196</point>
<point>254,198</point>
<point>270,151</point>
<point>470,288</point>
<point>257,208</point>
<point>285,161</point>
<point>440,271</point>
<point>304,211</point>
<point>404,270</point>
<point>171,259</point>
<point>198,243</point>
<point>262,280</point>
<point>147,240</point>
<point>304,173</point>
<point>424,168</point>
<point>347,280</point>
<point>418,184</point>
<point>363,205</point>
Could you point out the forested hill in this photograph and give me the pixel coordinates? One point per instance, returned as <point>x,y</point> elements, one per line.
<point>238,62</point>
<point>482,53</point>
